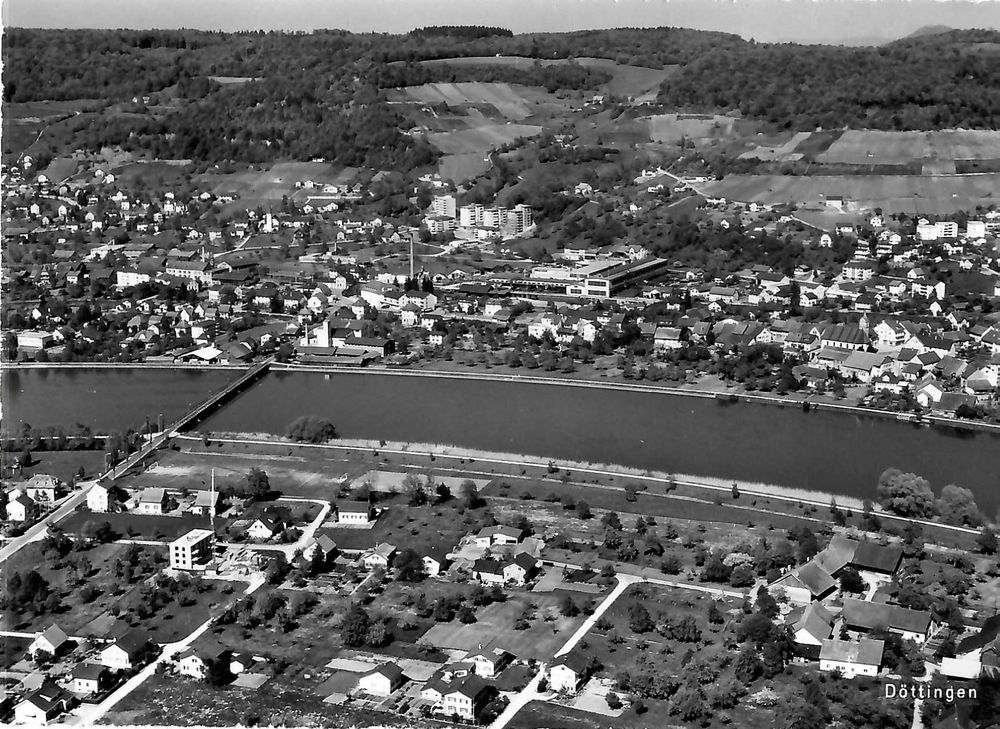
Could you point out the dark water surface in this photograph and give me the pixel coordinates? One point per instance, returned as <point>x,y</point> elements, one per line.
<point>825,450</point>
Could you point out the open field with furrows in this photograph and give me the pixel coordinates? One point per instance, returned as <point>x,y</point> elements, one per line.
<point>911,194</point>
<point>167,700</point>
<point>665,128</point>
<point>631,81</point>
<point>481,139</point>
<point>512,102</point>
<point>873,147</point>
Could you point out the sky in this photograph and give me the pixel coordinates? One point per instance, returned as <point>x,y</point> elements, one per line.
<point>817,21</point>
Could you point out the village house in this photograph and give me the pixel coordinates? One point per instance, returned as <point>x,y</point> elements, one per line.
<point>434,562</point>
<point>866,617</point>
<point>568,672</point>
<point>465,698</point>
<point>42,488</point>
<point>266,526</point>
<point>127,652</point>
<point>152,501</point>
<point>43,705</point>
<point>379,557</point>
<point>195,663</point>
<point>88,679</point>
<point>52,641</point>
<point>359,514</point>
<point>811,625</point>
<point>21,508</point>
<point>851,657</point>
<point>382,681</point>
<point>489,664</point>
<point>102,498</point>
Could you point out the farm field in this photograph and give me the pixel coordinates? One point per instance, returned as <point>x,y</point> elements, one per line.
<point>271,184</point>
<point>927,194</point>
<point>509,100</point>
<point>459,167</point>
<point>633,81</point>
<point>481,139</point>
<point>874,147</point>
<point>784,152</point>
<point>667,128</point>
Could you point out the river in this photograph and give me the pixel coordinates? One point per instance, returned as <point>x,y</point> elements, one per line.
<point>105,399</point>
<point>828,451</point>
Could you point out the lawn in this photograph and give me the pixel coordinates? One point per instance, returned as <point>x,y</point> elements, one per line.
<point>292,471</point>
<point>62,464</point>
<point>417,527</point>
<point>139,526</point>
<point>875,147</point>
<point>494,628</point>
<point>481,139</point>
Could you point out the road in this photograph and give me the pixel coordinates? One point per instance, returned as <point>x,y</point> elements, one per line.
<point>41,528</point>
<point>87,715</point>
<point>624,582</point>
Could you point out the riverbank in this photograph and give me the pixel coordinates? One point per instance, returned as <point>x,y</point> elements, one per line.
<point>13,366</point>
<point>714,485</point>
<point>730,395</point>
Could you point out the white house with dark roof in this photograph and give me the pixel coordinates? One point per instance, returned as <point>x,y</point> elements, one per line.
<point>52,640</point>
<point>382,680</point>
<point>851,657</point>
<point>152,501</point>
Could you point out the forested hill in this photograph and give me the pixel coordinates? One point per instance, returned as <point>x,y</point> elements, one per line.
<point>927,82</point>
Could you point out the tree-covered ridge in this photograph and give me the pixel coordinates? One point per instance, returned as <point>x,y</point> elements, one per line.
<point>551,77</point>
<point>460,31</point>
<point>649,47</point>
<point>929,82</point>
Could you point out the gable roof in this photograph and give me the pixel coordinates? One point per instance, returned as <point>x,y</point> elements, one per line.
<point>133,642</point>
<point>152,496</point>
<point>55,635</point>
<point>576,662</point>
<point>883,616</point>
<point>390,670</point>
<point>864,652</point>
<point>877,557</point>
<point>815,619</point>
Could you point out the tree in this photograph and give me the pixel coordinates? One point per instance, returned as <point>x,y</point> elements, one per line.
<point>905,494</point>
<point>639,619</point>
<point>354,628</point>
<point>469,493</point>
<point>611,520</point>
<point>567,606</point>
<point>748,665</point>
<point>583,510</point>
<point>851,581</point>
<point>987,540</point>
<point>217,673</point>
<point>443,493</point>
<point>311,429</point>
<point>258,486</point>
<point>409,565</point>
<point>957,506</point>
